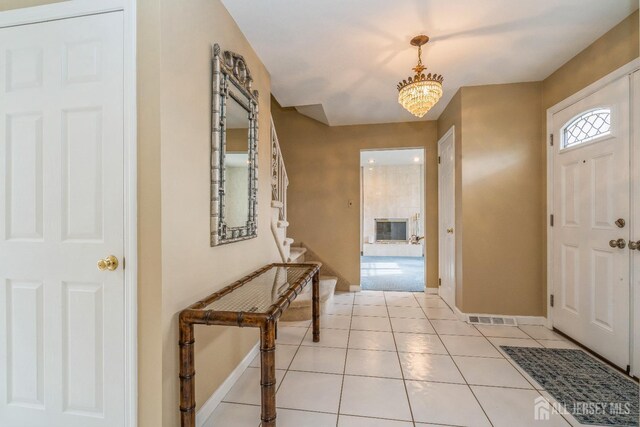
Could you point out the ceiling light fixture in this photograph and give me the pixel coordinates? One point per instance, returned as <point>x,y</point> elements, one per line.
<point>418,94</point>
<point>416,159</point>
<point>371,161</point>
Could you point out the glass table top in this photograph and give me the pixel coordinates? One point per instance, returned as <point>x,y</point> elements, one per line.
<point>261,292</point>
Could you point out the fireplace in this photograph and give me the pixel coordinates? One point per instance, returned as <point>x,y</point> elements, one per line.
<point>391,230</point>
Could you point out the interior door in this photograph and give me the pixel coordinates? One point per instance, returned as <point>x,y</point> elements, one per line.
<point>447,218</point>
<point>591,203</point>
<point>61,206</point>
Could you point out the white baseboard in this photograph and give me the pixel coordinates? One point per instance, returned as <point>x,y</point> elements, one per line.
<point>532,320</point>
<point>212,402</point>
<point>460,315</point>
<point>522,320</point>
<point>431,291</point>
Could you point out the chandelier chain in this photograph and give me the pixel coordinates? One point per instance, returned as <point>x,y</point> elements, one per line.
<point>419,68</point>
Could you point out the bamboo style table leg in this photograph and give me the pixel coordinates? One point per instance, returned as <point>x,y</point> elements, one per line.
<point>316,306</point>
<point>268,373</point>
<point>187,376</point>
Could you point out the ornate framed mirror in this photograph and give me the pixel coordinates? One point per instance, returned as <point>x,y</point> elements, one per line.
<point>234,150</point>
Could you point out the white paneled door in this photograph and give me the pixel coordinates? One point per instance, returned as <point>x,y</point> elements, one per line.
<point>61,206</point>
<point>591,190</point>
<point>447,218</point>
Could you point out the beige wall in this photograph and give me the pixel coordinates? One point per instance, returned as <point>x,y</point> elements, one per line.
<point>191,269</point>
<point>237,140</point>
<point>498,181</point>
<point>501,186</point>
<point>323,164</point>
<point>617,47</point>
<point>149,216</point>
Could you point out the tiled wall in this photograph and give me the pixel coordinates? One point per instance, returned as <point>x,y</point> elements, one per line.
<point>391,192</point>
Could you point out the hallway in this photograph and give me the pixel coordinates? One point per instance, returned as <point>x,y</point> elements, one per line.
<point>395,359</point>
<point>386,273</point>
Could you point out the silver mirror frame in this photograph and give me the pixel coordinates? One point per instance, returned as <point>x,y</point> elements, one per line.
<point>230,73</point>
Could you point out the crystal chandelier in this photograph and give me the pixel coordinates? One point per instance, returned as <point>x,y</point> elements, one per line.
<point>419,93</point>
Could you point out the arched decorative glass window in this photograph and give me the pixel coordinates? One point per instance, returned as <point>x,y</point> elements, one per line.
<point>587,127</point>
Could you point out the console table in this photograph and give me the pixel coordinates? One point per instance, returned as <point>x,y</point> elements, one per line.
<point>257,300</point>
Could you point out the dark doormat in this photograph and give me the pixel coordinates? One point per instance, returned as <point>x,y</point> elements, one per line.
<point>593,392</point>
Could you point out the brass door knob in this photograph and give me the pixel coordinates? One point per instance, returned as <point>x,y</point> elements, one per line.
<point>634,245</point>
<point>109,263</point>
<point>450,230</point>
<point>620,243</point>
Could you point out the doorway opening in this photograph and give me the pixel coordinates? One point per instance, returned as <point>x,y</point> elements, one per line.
<point>392,220</point>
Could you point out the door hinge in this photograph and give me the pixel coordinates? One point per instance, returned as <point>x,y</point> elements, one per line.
<point>628,369</point>
<point>551,220</point>
<point>551,139</point>
<point>439,282</point>
<point>552,301</point>
<point>438,159</point>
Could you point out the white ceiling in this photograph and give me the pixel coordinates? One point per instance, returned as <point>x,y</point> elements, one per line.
<point>349,55</point>
<point>373,158</point>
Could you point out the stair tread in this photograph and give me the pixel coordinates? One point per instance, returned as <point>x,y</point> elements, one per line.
<point>296,252</point>
<point>300,308</point>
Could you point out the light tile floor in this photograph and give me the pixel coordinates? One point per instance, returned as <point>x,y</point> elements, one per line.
<point>394,359</point>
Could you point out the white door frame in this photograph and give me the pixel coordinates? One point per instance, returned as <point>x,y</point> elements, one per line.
<point>625,70</point>
<point>450,133</point>
<point>74,9</point>
<point>423,219</point>
<point>634,277</point>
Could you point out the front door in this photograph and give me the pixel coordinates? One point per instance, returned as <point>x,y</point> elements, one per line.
<point>61,210</point>
<point>591,221</point>
<point>447,218</point>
